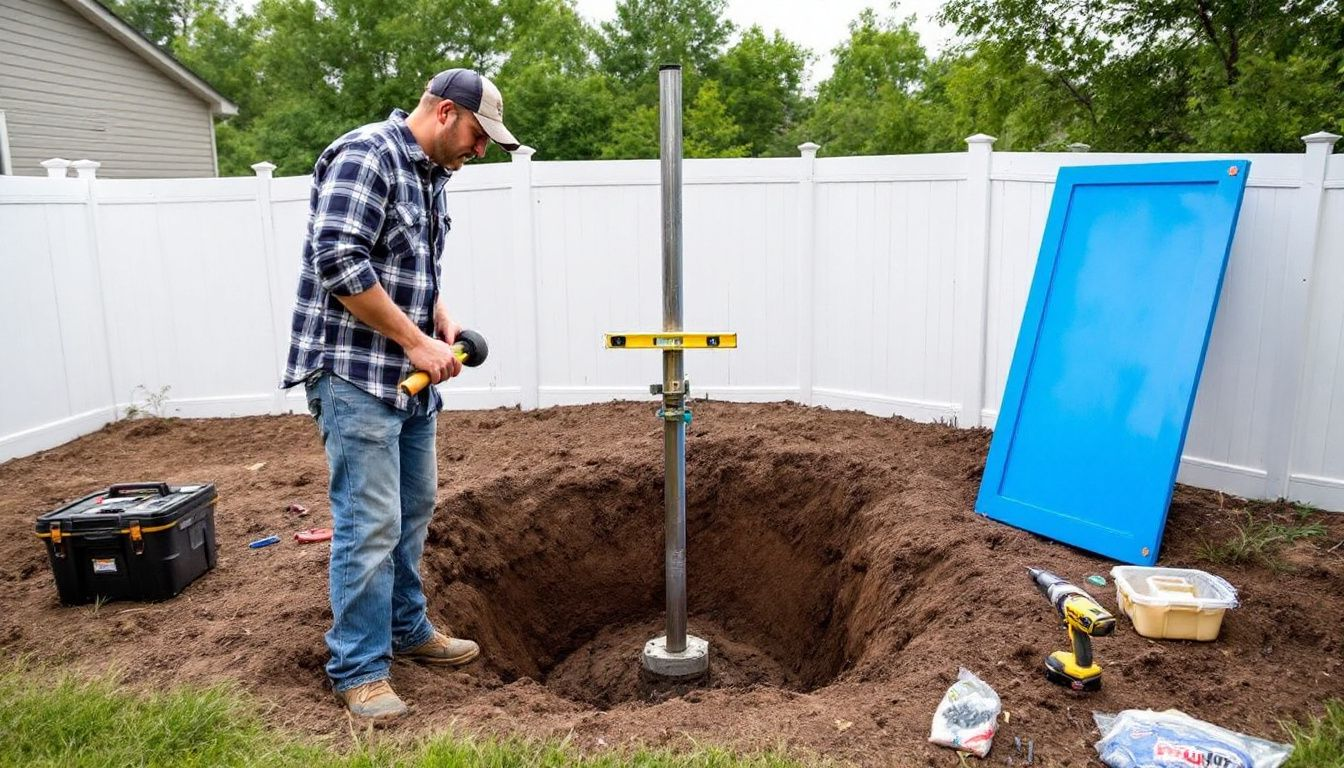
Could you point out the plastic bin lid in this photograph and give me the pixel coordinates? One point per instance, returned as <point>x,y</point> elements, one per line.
<point>1211,592</point>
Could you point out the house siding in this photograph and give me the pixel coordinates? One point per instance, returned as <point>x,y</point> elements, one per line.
<point>70,90</point>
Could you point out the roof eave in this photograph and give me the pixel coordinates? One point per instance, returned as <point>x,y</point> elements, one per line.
<point>109,22</point>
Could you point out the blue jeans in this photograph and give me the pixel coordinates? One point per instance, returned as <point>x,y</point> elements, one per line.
<point>383,480</point>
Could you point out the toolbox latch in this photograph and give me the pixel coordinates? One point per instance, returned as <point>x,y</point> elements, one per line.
<point>57,547</point>
<point>137,538</point>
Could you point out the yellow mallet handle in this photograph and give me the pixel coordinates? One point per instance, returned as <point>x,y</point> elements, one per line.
<point>417,381</point>
<point>470,349</point>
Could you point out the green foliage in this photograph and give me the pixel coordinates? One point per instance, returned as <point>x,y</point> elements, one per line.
<point>1269,105</point>
<point>874,101</point>
<point>1320,742</point>
<point>1260,540</point>
<point>1162,75</point>
<point>1150,75</point>
<point>761,78</point>
<point>710,130</point>
<point>165,22</point>
<point>565,117</point>
<point>989,89</point>
<point>52,719</point>
<point>634,135</point>
<point>649,33</point>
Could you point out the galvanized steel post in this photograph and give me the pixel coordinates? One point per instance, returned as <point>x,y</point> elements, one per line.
<point>674,396</point>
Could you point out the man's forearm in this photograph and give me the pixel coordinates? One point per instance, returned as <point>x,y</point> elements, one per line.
<point>375,309</point>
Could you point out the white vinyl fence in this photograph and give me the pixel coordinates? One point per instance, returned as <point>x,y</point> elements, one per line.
<point>894,285</point>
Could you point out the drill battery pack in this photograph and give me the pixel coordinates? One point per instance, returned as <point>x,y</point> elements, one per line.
<point>133,541</point>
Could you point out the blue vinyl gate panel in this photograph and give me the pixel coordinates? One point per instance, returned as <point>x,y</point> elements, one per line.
<point>1103,379</point>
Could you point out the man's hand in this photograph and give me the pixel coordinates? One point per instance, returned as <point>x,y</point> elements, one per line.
<point>446,328</point>
<point>435,358</point>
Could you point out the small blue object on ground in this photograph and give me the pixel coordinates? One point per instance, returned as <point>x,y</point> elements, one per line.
<point>266,542</point>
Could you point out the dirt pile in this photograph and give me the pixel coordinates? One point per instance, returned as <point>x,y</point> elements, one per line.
<point>835,565</point>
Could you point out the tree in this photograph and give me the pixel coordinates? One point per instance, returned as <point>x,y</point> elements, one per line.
<point>323,68</point>
<point>709,130</point>
<point>649,33</point>
<point>762,79</point>
<point>164,22</point>
<point>986,88</point>
<point>562,116</point>
<point>634,135</point>
<point>873,102</point>
<point>1167,75</point>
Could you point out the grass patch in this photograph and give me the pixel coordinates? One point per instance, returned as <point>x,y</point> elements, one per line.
<point>54,719</point>
<point>1260,539</point>
<point>1320,743</point>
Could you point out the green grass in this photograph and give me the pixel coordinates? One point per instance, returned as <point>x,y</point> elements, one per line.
<point>1260,539</point>
<point>56,719</point>
<point>1321,743</point>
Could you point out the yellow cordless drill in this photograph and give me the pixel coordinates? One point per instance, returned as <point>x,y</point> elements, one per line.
<point>1085,620</point>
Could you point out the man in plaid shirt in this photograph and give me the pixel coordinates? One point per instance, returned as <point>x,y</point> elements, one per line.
<point>368,312</point>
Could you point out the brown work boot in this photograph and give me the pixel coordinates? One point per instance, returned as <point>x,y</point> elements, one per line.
<point>442,649</point>
<point>375,702</point>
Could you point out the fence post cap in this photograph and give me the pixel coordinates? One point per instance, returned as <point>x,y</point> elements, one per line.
<point>264,168</point>
<point>1321,137</point>
<point>56,167</point>
<point>86,169</point>
<point>981,138</point>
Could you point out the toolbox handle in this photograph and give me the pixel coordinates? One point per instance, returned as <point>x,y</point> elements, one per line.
<point>120,488</point>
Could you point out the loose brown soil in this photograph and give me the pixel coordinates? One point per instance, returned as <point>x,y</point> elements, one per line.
<point>836,566</point>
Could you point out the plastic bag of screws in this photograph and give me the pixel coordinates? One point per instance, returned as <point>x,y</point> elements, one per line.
<point>968,716</point>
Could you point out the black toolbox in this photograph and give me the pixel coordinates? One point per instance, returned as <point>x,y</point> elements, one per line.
<point>133,541</point>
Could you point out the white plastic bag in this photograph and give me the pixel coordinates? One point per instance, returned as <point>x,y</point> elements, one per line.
<point>1142,738</point>
<point>968,716</point>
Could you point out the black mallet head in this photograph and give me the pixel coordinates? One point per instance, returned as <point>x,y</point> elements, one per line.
<point>474,347</point>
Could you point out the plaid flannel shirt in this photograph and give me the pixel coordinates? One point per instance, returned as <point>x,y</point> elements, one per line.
<point>376,215</point>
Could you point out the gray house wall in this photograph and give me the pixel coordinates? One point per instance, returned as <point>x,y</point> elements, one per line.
<point>70,90</point>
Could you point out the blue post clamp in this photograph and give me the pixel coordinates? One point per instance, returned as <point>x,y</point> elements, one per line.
<point>685,415</point>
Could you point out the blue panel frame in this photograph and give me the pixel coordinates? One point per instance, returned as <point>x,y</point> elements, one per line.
<point>1103,380</point>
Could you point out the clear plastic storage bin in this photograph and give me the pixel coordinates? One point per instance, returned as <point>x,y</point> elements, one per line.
<point>1173,603</point>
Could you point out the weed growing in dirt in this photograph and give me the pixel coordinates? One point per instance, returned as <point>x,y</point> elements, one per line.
<point>1259,540</point>
<point>153,406</point>
<point>52,718</point>
<point>1319,743</point>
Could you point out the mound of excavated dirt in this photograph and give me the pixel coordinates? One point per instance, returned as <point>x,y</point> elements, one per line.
<point>836,566</point>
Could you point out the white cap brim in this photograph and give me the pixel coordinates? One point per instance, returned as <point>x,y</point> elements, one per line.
<point>497,132</point>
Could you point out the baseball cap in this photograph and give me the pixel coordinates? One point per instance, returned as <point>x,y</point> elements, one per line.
<point>470,89</point>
